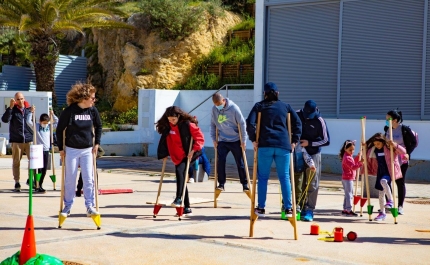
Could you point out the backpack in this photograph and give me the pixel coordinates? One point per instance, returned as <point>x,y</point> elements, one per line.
<point>410,138</point>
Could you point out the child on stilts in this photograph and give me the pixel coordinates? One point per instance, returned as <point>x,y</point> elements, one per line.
<point>379,160</point>
<point>177,128</point>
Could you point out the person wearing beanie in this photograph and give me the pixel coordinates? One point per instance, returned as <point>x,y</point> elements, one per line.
<point>314,136</point>
<point>273,144</point>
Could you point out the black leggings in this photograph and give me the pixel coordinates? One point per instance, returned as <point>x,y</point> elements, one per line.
<point>180,182</point>
<point>401,185</point>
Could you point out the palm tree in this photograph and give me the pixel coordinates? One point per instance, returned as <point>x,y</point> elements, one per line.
<point>46,23</point>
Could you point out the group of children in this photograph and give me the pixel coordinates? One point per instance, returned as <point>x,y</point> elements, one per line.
<point>378,159</point>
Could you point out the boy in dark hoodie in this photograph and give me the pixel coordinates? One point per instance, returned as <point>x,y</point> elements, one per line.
<point>314,136</point>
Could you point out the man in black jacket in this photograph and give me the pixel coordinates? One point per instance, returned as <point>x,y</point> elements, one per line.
<point>19,115</point>
<point>314,136</point>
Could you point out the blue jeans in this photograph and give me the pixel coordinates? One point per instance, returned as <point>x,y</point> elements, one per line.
<point>266,155</point>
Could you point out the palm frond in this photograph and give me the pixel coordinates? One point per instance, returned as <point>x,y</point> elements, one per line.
<point>27,24</point>
<point>66,26</point>
<point>49,12</point>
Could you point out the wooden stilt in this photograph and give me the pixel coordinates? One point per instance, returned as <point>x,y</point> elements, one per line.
<point>216,192</point>
<point>294,219</point>
<point>245,162</point>
<point>393,177</point>
<point>253,216</point>
<point>366,175</point>
<point>156,206</point>
<point>186,178</point>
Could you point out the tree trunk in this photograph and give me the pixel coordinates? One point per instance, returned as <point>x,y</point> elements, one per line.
<point>45,53</point>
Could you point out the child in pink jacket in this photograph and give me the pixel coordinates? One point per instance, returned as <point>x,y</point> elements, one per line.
<point>349,167</point>
<point>379,165</point>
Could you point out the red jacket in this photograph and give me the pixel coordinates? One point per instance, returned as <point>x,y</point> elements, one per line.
<point>174,142</point>
<point>349,166</point>
<point>372,162</point>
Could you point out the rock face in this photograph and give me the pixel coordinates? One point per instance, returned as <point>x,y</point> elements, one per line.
<point>139,59</point>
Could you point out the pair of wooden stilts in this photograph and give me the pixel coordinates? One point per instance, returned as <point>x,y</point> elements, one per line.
<point>95,217</point>
<point>365,177</point>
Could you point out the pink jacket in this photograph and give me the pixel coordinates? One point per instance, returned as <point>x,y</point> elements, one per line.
<point>349,166</point>
<point>372,163</point>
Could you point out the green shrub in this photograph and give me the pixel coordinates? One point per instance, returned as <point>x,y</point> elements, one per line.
<point>174,19</point>
<point>248,23</point>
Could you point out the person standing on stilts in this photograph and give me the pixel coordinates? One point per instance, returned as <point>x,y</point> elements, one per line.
<point>226,117</point>
<point>273,144</point>
<point>177,128</point>
<point>79,120</point>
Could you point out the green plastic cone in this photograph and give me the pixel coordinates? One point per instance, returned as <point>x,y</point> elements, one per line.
<point>53,178</point>
<point>369,209</point>
<point>394,212</point>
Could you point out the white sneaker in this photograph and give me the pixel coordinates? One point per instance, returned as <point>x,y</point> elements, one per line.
<point>401,210</point>
<point>66,211</point>
<point>191,180</point>
<point>91,211</point>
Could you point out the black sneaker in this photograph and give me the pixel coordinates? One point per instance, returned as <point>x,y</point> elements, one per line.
<point>17,187</point>
<point>344,212</point>
<point>41,190</point>
<point>260,212</point>
<point>187,211</point>
<point>289,213</point>
<point>351,214</point>
<point>28,184</point>
<point>220,187</point>
<point>245,187</point>
<point>78,193</point>
<point>176,203</point>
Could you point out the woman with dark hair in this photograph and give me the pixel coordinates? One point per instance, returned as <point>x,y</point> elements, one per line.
<point>403,136</point>
<point>273,144</point>
<point>83,127</point>
<point>177,128</point>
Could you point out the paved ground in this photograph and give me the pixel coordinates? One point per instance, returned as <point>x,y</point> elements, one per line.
<point>130,235</point>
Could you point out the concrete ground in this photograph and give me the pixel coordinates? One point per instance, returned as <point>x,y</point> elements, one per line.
<point>130,234</point>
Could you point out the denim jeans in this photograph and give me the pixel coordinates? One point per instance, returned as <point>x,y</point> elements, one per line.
<point>266,155</point>
<point>236,149</point>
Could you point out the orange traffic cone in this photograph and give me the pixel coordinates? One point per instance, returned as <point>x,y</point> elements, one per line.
<point>28,247</point>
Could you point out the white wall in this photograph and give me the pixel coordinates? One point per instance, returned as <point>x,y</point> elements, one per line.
<point>41,100</point>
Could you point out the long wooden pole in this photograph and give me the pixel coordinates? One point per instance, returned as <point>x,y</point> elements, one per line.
<point>216,170</point>
<point>186,176</point>
<point>161,180</point>
<point>366,175</point>
<point>52,147</point>
<point>34,142</point>
<point>393,177</point>
<point>63,179</point>
<point>253,216</point>
<point>292,181</point>
<point>245,162</point>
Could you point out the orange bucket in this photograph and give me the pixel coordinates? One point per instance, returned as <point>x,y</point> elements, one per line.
<point>338,234</point>
<point>315,229</point>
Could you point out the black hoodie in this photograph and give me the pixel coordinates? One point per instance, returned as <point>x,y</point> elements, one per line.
<point>79,124</point>
<point>315,131</point>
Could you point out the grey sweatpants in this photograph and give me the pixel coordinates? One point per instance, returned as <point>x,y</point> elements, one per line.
<point>348,187</point>
<point>74,159</point>
<point>311,201</point>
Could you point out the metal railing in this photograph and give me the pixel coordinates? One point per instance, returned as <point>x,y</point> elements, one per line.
<point>226,86</point>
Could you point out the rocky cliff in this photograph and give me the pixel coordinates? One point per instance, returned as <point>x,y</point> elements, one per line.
<point>138,59</point>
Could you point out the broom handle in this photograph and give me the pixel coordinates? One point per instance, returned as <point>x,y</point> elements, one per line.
<point>52,143</point>
<point>63,171</point>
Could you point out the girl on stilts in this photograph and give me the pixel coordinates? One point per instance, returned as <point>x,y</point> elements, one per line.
<point>378,163</point>
<point>177,128</point>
